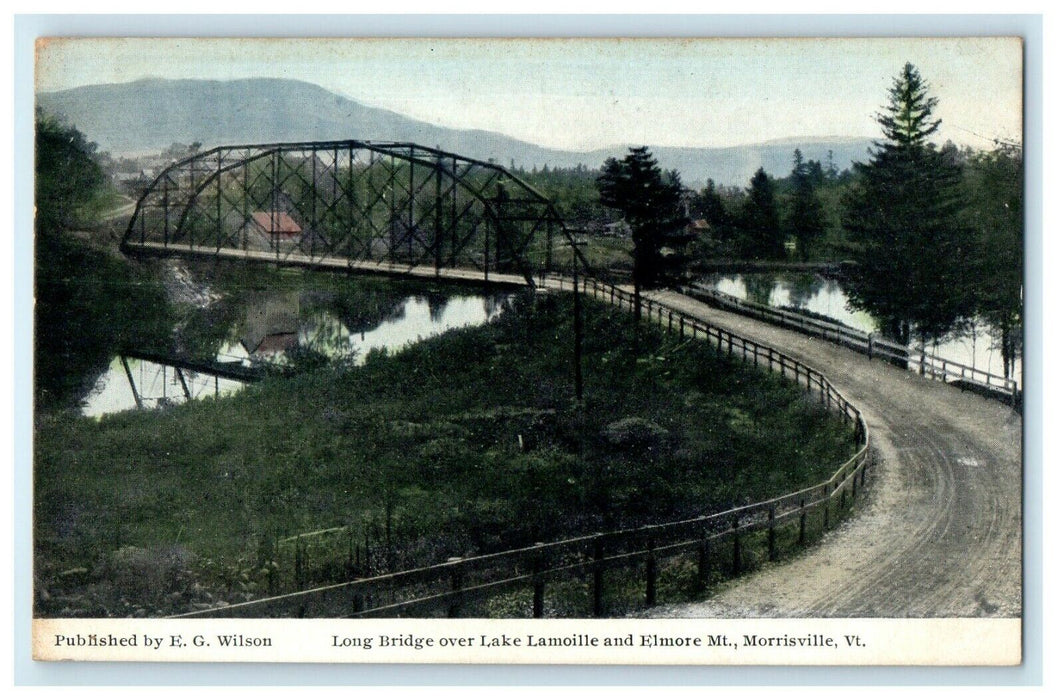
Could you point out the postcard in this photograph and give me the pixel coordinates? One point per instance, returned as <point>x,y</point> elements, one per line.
<point>567,351</point>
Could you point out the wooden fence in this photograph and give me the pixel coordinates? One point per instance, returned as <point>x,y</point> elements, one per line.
<point>450,588</point>
<point>925,363</point>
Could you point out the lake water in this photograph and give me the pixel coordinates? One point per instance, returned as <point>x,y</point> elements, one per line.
<point>274,326</point>
<point>825,296</point>
<point>157,385</point>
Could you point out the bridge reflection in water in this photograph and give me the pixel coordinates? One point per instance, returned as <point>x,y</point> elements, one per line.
<point>273,327</point>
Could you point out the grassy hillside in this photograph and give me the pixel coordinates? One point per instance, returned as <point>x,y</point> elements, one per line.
<point>466,443</point>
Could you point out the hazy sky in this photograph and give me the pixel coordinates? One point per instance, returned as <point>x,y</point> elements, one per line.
<point>582,94</point>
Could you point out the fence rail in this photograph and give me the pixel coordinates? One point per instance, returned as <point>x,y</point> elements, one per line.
<point>448,588</point>
<point>920,361</point>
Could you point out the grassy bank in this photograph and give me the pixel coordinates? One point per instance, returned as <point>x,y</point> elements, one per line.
<point>466,443</point>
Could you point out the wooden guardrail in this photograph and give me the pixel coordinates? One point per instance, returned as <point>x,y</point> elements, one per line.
<point>920,361</point>
<point>448,588</point>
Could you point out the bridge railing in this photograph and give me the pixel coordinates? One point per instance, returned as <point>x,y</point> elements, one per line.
<point>920,361</point>
<point>450,588</point>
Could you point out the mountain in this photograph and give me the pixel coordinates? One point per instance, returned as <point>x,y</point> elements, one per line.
<point>149,115</point>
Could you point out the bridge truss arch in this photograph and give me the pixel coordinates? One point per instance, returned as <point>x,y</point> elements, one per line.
<point>371,205</point>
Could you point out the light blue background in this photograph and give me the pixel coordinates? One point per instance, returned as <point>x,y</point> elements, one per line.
<point>28,28</point>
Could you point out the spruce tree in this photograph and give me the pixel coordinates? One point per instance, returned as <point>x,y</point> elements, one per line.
<point>912,266</point>
<point>996,215</point>
<point>806,214</point>
<point>650,203</point>
<point>759,220</point>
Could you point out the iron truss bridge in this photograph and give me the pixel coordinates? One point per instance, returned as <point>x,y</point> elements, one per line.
<point>392,208</point>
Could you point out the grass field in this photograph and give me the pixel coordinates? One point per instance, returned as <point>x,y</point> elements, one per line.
<point>466,443</point>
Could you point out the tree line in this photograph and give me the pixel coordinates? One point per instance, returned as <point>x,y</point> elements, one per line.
<point>935,234</point>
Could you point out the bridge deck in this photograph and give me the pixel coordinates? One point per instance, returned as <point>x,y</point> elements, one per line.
<point>453,274</point>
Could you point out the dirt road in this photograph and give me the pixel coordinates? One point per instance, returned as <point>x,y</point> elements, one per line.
<point>940,532</point>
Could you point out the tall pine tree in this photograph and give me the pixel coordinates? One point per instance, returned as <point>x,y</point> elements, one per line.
<point>651,204</point>
<point>996,214</point>
<point>761,236</point>
<point>912,272</point>
<point>806,214</point>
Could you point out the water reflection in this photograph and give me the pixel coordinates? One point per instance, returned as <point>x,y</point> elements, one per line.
<point>973,346</point>
<point>274,328</point>
<point>802,288</point>
<point>132,383</point>
<point>759,289</point>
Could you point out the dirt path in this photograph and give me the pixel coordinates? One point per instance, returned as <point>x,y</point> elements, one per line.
<point>939,534</point>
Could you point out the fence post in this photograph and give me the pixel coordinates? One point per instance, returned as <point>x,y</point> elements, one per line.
<point>537,584</point>
<point>598,607</point>
<point>274,566</point>
<point>652,574</point>
<point>454,609</point>
<point>299,565</point>
<point>736,553</point>
<point>922,356</point>
<point>681,326</point>
<point>854,487</point>
<point>703,562</point>
<point>772,533</point>
<point>801,524</point>
<point>827,508</point>
<point>869,346</point>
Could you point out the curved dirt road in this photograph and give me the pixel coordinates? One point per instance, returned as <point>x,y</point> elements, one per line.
<point>939,533</point>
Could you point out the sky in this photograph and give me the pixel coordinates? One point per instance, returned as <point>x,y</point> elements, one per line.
<point>581,94</point>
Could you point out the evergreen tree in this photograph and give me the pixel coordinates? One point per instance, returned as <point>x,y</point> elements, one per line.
<point>912,272</point>
<point>709,205</point>
<point>831,173</point>
<point>996,213</point>
<point>760,221</point>
<point>651,205</point>
<point>68,179</point>
<point>806,214</point>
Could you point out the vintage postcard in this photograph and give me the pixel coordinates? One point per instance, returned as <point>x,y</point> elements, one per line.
<point>568,351</point>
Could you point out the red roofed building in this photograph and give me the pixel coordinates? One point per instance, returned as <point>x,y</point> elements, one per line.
<point>275,222</point>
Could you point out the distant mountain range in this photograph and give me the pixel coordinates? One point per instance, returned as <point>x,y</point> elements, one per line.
<point>149,115</point>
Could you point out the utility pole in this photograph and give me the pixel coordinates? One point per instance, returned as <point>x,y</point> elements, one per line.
<point>578,330</point>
